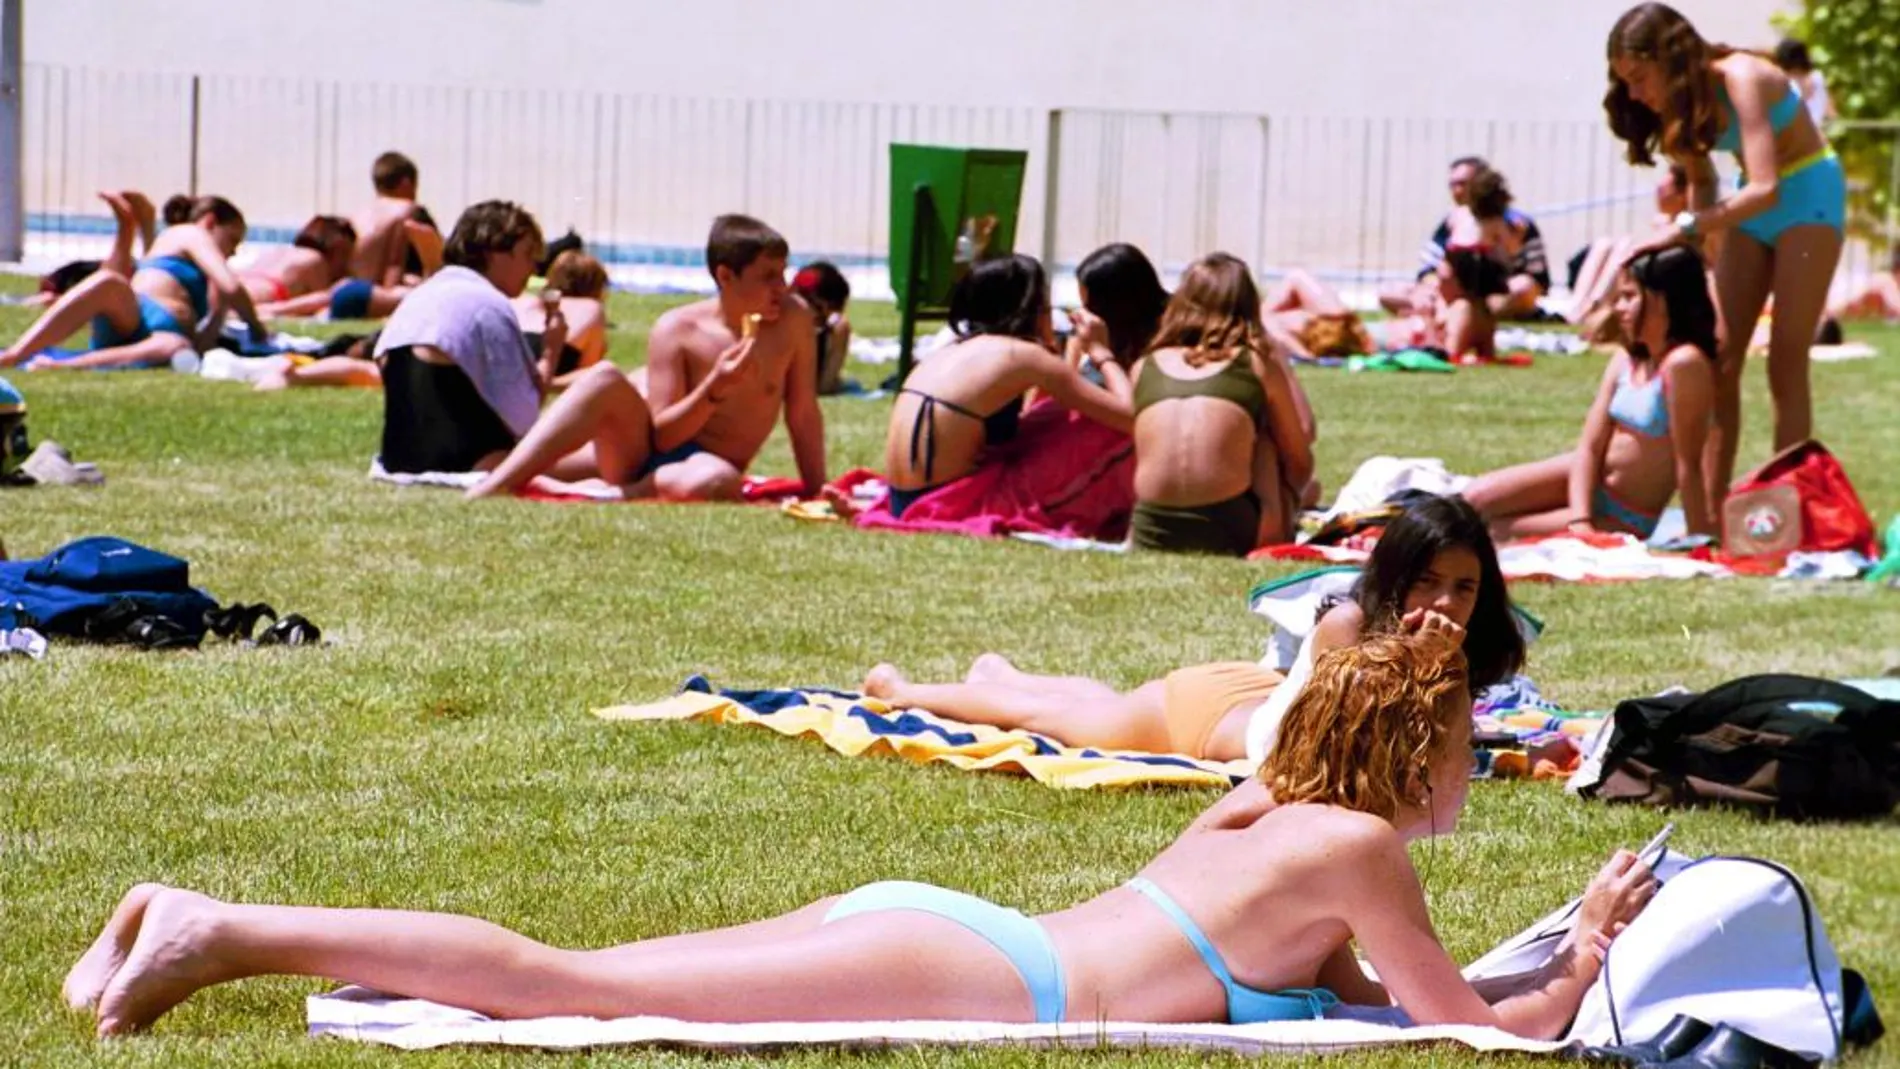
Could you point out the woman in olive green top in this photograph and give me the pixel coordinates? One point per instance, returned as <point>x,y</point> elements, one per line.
<point>1220,452</point>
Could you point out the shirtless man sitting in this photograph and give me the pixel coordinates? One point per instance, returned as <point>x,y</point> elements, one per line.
<point>719,371</point>
<point>388,230</point>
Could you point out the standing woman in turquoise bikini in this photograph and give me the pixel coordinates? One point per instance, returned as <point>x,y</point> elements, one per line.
<point>1675,94</point>
<point>143,313</point>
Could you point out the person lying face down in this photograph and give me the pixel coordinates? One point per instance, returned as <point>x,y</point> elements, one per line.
<point>1250,915</point>
<point>317,259</point>
<point>1434,570</point>
<point>1643,440</point>
<point>970,394</point>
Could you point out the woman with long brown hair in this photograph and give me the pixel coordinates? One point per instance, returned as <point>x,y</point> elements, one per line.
<point>1674,94</point>
<point>1220,452</point>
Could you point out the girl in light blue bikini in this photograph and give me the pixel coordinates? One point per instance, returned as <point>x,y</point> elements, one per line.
<point>144,313</point>
<point>1643,441</point>
<point>1249,916</point>
<point>1673,93</point>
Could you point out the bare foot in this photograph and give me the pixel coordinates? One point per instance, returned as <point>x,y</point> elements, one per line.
<point>103,958</point>
<point>883,683</point>
<point>169,960</point>
<point>143,211</point>
<point>121,208</point>
<point>991,668</point>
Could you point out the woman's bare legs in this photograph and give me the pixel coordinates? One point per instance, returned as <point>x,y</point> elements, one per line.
<point>1076,717</point>
<point>103,293</point>
<point>162,945</point>
<point>1805,258</point>
<point>1470,329</point>
<point>1744,274</point>
<point>327,371</point>
<point>1539,486</point>
<point>1300,290</point>
<point>601,408</point>
<point>119,261</point>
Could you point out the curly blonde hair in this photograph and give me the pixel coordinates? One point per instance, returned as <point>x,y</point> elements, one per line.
<point>1369,725</point>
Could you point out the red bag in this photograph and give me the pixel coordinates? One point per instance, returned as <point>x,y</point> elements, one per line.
<point>1804,485</point>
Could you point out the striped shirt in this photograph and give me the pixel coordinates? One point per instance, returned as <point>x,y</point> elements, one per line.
<point>1530,259</point>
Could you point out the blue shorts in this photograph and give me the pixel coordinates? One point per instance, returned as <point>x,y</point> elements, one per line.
<point>655,461</point>
<point>1023,940</point>
<point>1606,506</point>
<point>154,318</point>
<point>350,299</point>
<point>1812,191</point>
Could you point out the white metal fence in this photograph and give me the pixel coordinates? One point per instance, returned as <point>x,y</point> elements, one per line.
<point>640,176</point>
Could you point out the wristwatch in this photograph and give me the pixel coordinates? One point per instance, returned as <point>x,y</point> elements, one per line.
<point>1685,223</point>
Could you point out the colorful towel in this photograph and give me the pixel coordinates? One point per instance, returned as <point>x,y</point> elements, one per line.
<point>354,1013</point>
<point>852,725</point>
<point>1062,475</point>
<point>1592,558</point>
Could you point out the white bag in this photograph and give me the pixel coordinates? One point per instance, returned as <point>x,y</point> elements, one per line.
<point>1729,940</point>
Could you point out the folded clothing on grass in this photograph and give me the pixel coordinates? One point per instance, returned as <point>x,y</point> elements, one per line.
<point>853,725</point>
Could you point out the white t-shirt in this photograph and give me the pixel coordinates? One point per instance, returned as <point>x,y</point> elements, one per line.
<point>1263,727</point>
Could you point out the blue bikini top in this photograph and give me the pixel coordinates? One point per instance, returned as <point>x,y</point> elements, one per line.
<point>1779,117</point>
<point>1643,409</point>
<point>1245,1005</point>
<point>189,275</point>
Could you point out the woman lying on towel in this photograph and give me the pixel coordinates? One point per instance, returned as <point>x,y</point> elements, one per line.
<point>1222,451</point>
<point>1250,915</point>
<point>143,313</point>
<point>314,261</point>
<point>969,396</point>
<point>347,297</point>
<point>1643,439</point>
<point>1434,569</point>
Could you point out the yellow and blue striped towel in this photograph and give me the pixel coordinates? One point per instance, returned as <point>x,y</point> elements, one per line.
<point>852,725</point>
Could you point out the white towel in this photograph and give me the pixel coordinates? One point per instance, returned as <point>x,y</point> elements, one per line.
<point>355,1013</point>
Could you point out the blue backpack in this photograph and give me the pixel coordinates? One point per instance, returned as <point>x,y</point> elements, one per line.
<point>107,589</point>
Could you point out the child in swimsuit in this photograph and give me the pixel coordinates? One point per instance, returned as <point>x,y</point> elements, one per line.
<point>1643,439</point>
<point>1791,203</point>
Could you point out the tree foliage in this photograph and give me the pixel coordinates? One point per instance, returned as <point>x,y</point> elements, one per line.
<point>1855,44</point>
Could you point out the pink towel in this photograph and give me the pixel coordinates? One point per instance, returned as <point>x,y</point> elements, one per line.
<point>1062,475</point>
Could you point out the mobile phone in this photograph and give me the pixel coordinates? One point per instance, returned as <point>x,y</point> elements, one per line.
<point>1652,852</point>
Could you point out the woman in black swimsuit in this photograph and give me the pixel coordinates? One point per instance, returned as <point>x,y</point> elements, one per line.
<point>969,395</point>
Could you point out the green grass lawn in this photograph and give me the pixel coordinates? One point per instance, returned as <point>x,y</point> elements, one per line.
<point>437,753</point>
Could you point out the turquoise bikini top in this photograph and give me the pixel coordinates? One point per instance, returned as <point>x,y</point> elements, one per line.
<point>1245,1005</point>
<point>1643,409</point>
<point>1779,117</point>
<point>190,276</point>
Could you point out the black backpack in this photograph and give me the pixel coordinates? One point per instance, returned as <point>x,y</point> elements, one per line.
<point>1781,745</point>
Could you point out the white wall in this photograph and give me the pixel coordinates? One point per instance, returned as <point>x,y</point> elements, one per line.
<point>637,121</point>
<point>1440,58</point>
